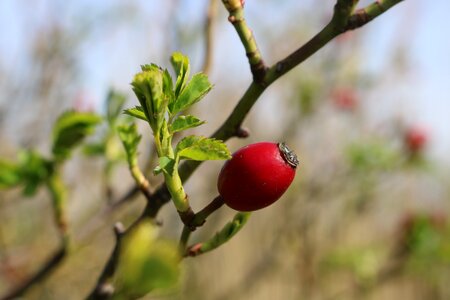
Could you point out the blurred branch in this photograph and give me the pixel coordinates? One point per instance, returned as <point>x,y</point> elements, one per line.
<point>43,272</point>
<point>104,288</point>
<point>340,23</point>
<point>236,17</point>
<point>365,15</point>
<point>208,31</point>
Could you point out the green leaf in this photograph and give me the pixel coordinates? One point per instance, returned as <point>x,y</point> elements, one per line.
<point>227,232</point>
<point>9,174</point>
<point>197,88</point>
<point>146,264</point>
<point>130,140</point>
<point>166,165</point>
<point>148,87</point>
<point>70,129</point>
<point>185,122</point>
<point>201,148</point>
<point>181,66</point>
<point>136,112</point>
<point>168,91</point>
<point>94,149</point>
<point>114,105</point>
<point>34,170</point>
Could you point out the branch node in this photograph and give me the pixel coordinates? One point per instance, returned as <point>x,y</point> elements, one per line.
<point>187,218</point>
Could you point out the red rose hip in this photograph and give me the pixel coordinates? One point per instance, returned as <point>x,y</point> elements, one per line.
<point>257,175</point>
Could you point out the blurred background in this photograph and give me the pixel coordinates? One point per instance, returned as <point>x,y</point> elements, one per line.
<point>368,116</point>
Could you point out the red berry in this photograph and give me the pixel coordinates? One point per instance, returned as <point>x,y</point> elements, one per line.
<point>257,175</point>
<point>415,139</point>
<point>345,98</point>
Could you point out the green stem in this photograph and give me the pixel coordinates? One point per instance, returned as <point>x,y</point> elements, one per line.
<point>176,190</point>
<point>199,219</point>
<point>236,17</point>
<point>365,15</point>
<point>59,201</point>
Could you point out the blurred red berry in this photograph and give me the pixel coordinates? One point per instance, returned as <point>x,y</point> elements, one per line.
<point>415,139</point>
<point>257,175</point>
<point>345,98</point>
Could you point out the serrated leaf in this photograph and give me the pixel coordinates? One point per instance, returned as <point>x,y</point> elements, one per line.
<point>201,148</point>
<point>114,105</point>
<point>130,139</point>
<point>148,87</point>
<point>185,122</point>
<point>166,165</point>
<point>136,112</point>
<point>181,66</point>
<point>146,264</point>
<point>227,232</point>
<point>197,88</point>
<point>168,91</point>
<point>9,174</point>
<point>70,129</point>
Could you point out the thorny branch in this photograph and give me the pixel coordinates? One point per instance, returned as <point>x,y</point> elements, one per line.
<point>339,24</point>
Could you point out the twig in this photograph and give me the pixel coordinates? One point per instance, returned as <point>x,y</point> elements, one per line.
<point>236,17</point>
<point>46,269</point>
<point>208,31</point>
<point>199,219</point>
<point>104,288</point>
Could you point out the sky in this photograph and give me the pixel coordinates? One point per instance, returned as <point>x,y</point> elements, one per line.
<point>422,26</point>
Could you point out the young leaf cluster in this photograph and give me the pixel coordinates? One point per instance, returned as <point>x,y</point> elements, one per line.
<point>162,104</point>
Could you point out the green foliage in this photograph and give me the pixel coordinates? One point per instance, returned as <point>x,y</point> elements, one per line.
<point>146,264</point>
<point>371,156</point>
<point>184,122</point>
<point>136,112</point>
<point>9,174</point>
<point>197,88</point>
<point>94,149</point>
<point>34,170</point>
<point>181,66</point>
<point>148,87</point>
<point>166,165</point>
<point>227,232</point>
<point>69,130</point>
<point>130,140</point>
<point>114,105</point>
<point>31,171</point>
<point>364,263</point>
<point>201,148</point>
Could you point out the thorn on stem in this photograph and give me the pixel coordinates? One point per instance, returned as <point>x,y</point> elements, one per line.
<point>106,289</point>
<point>242,132</point>
<point>119,229</point>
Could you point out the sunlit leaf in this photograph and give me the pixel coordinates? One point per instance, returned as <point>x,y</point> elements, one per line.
<point>201,148</point>
<point>130,140</point>
<point>185,122</point>
<point>70,129</point>
<point>9,174</point>
<point>196,89</point>
<point>181,66</point>
<point>136,112</point>
<point>114,105</point>
<point>146,263</point>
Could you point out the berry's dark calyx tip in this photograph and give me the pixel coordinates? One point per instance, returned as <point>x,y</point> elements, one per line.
<point>288,155</point>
